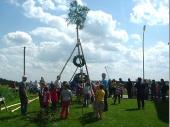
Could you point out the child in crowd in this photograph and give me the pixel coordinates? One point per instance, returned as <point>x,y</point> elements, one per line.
<point>87,92</point>
<point>117,93</point>
<point>66,98</point>
<point>99,101</point>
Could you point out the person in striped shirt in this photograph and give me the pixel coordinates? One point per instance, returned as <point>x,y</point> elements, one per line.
<point>118,93</point>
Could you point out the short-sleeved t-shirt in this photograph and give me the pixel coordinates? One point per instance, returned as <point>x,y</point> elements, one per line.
<point>87,90</point>
<point>100,95</point>
<point>105,84</point>
<point>66,95</point>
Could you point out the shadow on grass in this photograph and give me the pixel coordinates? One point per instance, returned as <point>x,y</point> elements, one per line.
<point>39,119</point>
<point>42,120</point>
<point>4,118</point>
<point>88,118</point>
<point>162,110</point>
<point>132,109</point>
<point>79,106</point>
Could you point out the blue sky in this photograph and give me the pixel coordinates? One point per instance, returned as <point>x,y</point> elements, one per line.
<point>112,37</point>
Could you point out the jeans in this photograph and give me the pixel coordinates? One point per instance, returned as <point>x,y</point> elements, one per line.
<point>24,102</point>
<point>65,109</point>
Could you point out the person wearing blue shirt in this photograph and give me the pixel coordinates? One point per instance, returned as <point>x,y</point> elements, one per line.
<point>105,84</point>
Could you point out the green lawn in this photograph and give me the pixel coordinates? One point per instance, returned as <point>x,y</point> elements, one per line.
<point>120,115</point>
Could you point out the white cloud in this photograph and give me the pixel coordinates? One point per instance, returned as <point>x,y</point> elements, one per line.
<point>53,34</point>
<point>151,12</point>
<point>136,38</point>
<point>37,12</point>
<point>47,4</point>
<point>101,25</point>
<point>17,38</point>
<point>47,59</point>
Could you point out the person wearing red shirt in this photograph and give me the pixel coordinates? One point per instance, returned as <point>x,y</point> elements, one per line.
<point>46,99</point>
<point>54,97</point>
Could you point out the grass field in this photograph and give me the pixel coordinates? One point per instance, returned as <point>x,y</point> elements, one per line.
<point>119,115</point>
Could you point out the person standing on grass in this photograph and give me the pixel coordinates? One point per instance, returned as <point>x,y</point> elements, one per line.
<point>40,92</point>
<point>158,92</point>
<point>122,85</point>
<point>146,89</point>
<point>153,90</point>
<point>113,87</point>
<point>46,99</point>
<point>117,93</point>
<point>105,87</point>
<point>140,93</point>
<point>87,93</point>
<point>54,97</point>
<point>23,95</point>
<point>95,87</point>
<point>58,86</point>
<point>99,101</point>
<point>163,90</point>
<point>66,98</point>
<point>129,88</point>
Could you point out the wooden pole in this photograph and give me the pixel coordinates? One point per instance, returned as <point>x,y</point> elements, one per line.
<point>11,106</point>
<point>28,103</point>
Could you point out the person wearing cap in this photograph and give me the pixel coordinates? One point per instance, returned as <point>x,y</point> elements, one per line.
<point>23,95</point>
<point>66,98</point>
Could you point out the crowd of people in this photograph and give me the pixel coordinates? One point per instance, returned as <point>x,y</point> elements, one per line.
<point>94,92</point>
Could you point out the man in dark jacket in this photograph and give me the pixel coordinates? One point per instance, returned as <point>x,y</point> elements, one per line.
<point>129,88</point>
<point>163,90</point>
<point>23,95</point>
<point>153,90</point>
<point>140,93</point>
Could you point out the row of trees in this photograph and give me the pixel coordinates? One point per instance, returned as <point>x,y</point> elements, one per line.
<point>6,82</point>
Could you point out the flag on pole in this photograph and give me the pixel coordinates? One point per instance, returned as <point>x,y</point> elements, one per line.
<point>144,27</point>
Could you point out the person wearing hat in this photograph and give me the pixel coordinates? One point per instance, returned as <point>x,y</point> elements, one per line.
<point>66,98</point>
<point>23,95</point>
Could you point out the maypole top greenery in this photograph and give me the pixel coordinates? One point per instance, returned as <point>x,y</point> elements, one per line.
<point>77,14</point>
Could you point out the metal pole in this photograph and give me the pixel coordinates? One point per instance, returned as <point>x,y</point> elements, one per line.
<point>169,62</point>
<point>24,60</point>
<point>144,27</point>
